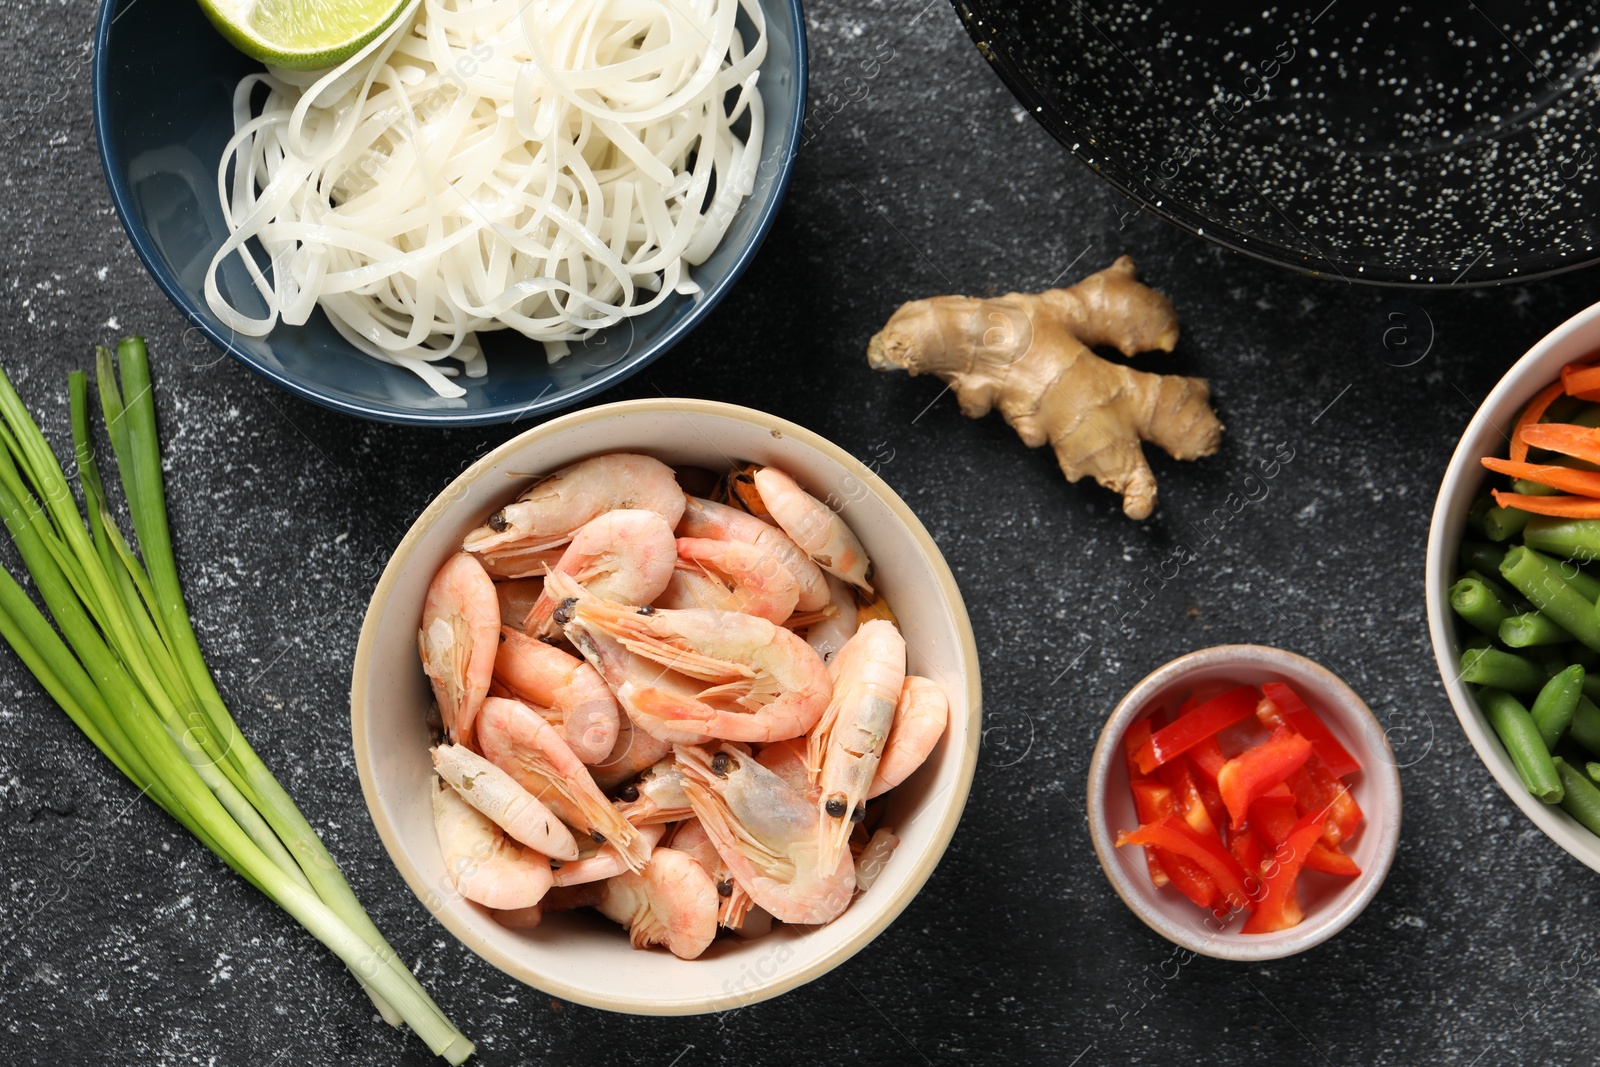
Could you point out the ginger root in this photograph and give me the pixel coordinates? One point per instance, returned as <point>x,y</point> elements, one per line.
<point>1028,354</point>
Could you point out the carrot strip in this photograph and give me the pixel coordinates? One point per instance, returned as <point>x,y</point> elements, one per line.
<point>1577,379</point>
<point>1583,483</point>
<point>1531,415</point>
<point>1566,507</point>
<point>1579,442</point>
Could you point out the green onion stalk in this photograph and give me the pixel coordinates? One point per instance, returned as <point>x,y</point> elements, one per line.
<point>123,662</point>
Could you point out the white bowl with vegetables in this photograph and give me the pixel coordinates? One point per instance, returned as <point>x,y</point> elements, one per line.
<point>580,955</point>
<point>1511,586</point>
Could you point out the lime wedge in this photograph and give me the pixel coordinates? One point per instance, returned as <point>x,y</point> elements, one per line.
<point>301,34</point>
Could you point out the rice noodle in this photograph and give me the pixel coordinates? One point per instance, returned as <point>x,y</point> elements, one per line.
<point>552,167</point>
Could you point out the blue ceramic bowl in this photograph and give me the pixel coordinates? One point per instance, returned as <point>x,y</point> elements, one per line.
<point>163,89</point>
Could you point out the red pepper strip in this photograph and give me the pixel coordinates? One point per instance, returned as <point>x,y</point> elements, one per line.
<point>1279,907</point>
<point>1175,835</point>
<point>1317,790</point>
<point>1132,741</point>
<point>1195,726</point>
<point>1566,479</point>
<point>1269,715</point>
<point>1207,759</point>
<point>1566,507</point>
<point>1255,770</point>
<point>1210,797</point>
<point>1274,817</point>
<point>1305,722</point>
<point>1579,442</point>
<point>1186,798</point>
<point>1331,860</point>
<point>1578,380</point>
<point>1149,798</point>
<point>1247,848</point>
<point>1531,415</point>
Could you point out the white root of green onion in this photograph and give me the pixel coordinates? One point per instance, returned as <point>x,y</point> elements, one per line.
<point>548,166</point>
<point>127,669</point>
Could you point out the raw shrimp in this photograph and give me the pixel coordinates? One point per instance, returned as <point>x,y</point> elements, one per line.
<point>767,834</point>
<point>517,597</point>
<point>729,576</point>
<point>483,864</point>
<point>518,741</point>
<point>493,792</point>
<point>551,510</point>
<point>921,716</point>
<point>735,904</point>
<point>707,518</point>
<point>672,902</point>
<point>815,527</point>
<point>657,797</point>
<point>829,634</point>
<point>626,556</point>
<point>634,751</point>
<point>460,633</point>
<point>564,689</point>
<point>787,759</point>
<point>765,683</point>
<point>843,751</point>
<point>606,861</point>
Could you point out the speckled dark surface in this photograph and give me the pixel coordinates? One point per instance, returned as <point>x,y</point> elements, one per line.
<point>920,178</point>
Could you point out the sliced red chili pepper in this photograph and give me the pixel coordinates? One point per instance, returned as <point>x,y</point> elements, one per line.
<point>1151,801</point>
<point>1247,848</point>
<point>1208,759</point>
<point>1252,772</point>
<point>1306,723</point>
<point>1190,805</point>
<point>1274,816</point>
<point>1331,859</point>
<point>1137,735</point>
<point>1316,789</point>
<point>1218,713</point>
<point>1210,796</point>
<point>1177,836</point>
<point>1279,907</point>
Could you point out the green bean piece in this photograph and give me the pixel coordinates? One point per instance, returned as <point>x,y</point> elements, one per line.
<point>1508,596</point>
<point>1585,728</point>
<point>1574,539</point>
<point>1587,585</point>
<point>1475,602</point>
<point>1580,799</point>
<point>1480,508</point>
<point>1481,556</point>
<point>1502,670</point>
<point>1540,580</point>
<point>1553,708</point>
<point>1593,770</point>
<point>1527,488</point>
<point>1523,744</point>
<point>1502,524</point>
<point>1525,631</point>
<point>1591,689</point>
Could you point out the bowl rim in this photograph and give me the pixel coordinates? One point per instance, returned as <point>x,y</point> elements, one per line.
<point>1381,774</point>
<point>887,910</point>
<point>108,141</point>
<point>1080,144</point>
<point>1514,389</point>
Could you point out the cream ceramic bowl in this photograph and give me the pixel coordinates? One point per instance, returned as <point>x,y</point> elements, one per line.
<point>1330,903</point>
<point>582,957</point>
<point>1577,338</point>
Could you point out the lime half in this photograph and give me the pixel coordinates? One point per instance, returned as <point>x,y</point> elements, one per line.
<point>301,34</point>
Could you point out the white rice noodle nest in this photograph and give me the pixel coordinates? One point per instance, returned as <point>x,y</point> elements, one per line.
<point>551,167</point>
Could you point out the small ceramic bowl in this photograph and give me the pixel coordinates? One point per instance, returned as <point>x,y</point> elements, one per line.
<point>163,111</point>
<point>1577,338</point>
<point>580,956</point>
<point>1330,903</point>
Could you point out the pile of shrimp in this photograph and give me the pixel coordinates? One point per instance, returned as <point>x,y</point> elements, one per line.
<point>676,709</point>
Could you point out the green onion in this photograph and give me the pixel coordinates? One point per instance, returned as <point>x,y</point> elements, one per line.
<point>123,662</point>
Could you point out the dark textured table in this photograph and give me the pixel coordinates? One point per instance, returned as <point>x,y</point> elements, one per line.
<point>123,941</point>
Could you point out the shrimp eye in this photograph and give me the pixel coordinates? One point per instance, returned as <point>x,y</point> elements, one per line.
<point>835,807</point>
<point>497,522</point>
<point>630,794</point>
<point>647,610</point>
<point>599,838</point>
<point>859,814</point>
<point>563,614</point>
<point>719,764</point>
<point>725,888</point>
